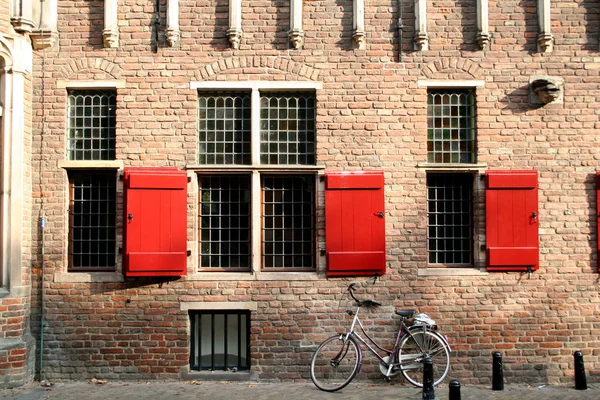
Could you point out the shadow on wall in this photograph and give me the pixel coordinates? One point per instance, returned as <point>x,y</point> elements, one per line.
<point>517,101</point>
<point>346,42</point>
<point>95,13</point>
<point>221,25</point>
<point>592,24</point>
<point>468,25</point>
<point>529,11</point>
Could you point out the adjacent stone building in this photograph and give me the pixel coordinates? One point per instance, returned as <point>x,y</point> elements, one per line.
<point>203,178</point>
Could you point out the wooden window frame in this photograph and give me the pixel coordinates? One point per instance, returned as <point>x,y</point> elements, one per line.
<point>72,175</point>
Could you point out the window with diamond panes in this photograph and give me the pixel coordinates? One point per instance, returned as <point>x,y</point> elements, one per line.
<point>224,128</point>
<point>220,340</point>
<point>91,125</point>
<point>450,126</point>
<point>288,222</point>
<point>450,216</point>
<point>92,215</point>
<point>225,222</point>
<point>287,128</point>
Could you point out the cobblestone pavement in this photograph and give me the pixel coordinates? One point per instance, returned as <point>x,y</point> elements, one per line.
<point>287,391</point>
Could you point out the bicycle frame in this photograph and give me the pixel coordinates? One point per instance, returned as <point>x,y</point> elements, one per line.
<point>390,364</point>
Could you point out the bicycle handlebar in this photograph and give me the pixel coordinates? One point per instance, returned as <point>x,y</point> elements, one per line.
<point>362,303</point>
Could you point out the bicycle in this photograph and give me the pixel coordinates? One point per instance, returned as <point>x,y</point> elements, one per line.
<point>339,358</point>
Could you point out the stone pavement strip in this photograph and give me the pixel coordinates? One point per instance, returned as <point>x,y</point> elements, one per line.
<point>288,391</point>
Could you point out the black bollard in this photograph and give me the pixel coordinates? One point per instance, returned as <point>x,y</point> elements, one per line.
<point>497,372</point>
<point>428,390</point>
<point>454,390</point>
<point>580,380</point>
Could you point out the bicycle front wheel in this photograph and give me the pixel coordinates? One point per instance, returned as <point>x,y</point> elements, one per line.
<point>335,363</point>
<point>410,356</point>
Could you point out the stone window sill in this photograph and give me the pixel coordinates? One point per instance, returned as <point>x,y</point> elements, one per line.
<point>89,277</point>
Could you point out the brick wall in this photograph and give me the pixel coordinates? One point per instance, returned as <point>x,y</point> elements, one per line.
<point>5,20</point>
<point>371,116</point>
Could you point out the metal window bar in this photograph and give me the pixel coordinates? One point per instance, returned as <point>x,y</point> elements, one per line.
<point>451,126</point>
<point>224,128</point>
<point>226,331</point>
<point>288,231</point>
<point>450,218</point>
<point>224,222</point>
<point>92,216</point>
<point>287,128</point>
<point>91,125</point>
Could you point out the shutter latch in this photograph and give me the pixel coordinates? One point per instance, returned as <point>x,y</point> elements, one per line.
<point>379,214</point>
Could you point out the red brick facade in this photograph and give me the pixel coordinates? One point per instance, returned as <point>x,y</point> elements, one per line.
<point>371,116</point>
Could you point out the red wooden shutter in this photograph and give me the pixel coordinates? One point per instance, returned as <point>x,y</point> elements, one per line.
<point>512,221</point>
<point>155,222</point>
<point>598,207</point>
<point>354,223</point>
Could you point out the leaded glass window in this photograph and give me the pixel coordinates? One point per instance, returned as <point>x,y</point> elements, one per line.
<point>450,220</point>
<point>91,125</point>
<point>287,129</point>
<point>288,222</point>
<point>224,128</point>
<point>451,126</point>
<point>225,222</point>
<point>92,216</point>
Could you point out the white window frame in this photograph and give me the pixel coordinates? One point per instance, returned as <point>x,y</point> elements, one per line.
<point>255,170</point>
<point>477,169</point>
<point>65,276</point>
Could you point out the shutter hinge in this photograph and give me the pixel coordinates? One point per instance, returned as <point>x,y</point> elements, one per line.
<point>189,253</point>
<point>189,179</point>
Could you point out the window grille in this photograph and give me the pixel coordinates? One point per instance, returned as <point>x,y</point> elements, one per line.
<point>451,126</point>
<point>92,119</point>
<point>224,129</point>
<point>449,198</point>
<point>287,129</point>
<point>225,222</point>
<point>220,340</point>
<point>288,222</point>
<point>92,214</point>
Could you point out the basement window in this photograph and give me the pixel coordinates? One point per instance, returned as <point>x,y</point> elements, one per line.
<point>220,340</point>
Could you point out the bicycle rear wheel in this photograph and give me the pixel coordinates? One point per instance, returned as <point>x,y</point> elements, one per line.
<point>434,346</point>
<point>335,363</point>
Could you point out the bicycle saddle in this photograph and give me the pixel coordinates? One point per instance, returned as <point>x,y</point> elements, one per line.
<point>406,313</point>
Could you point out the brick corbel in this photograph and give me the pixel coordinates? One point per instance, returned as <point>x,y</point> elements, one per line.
<point>111,28</point>
<point>421,37</point>
<point>234,33</point>
<point>296,34</point>
<point>172,33</point>
<point>358,24</point>
<point>545,38</point>
<point>483,35</point>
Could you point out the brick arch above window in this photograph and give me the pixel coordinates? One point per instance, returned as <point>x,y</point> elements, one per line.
<point>452,68</point>
<point>76,67</point>
<point>270,63</point>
